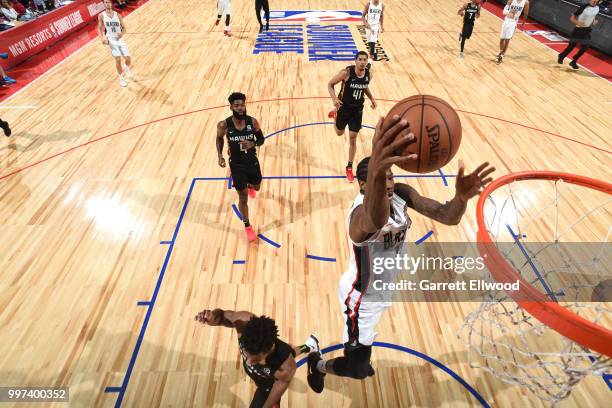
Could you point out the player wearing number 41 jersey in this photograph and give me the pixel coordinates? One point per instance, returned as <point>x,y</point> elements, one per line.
<point>348,105</point>
<point>243,135</point>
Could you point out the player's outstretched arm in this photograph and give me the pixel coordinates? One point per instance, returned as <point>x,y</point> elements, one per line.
<point>227,318</point>
<point>389,138</point>
<point>452,211</point>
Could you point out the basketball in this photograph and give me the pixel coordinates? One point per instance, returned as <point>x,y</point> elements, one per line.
<point>437,129</point>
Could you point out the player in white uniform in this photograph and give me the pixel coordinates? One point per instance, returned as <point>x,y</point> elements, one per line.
<point>224,7</point>
<point>512,11</point>
<point>378,223</point>
<point>373,17</point>
<point>112,30</point>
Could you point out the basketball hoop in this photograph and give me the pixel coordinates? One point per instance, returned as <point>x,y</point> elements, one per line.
<point>531,337</point>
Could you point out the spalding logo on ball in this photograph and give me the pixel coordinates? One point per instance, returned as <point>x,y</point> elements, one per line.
<point>436,127</point>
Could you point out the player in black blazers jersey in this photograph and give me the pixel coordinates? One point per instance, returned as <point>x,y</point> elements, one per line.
<point>243,135</point>
<point>349,102</point>
<point>470,12</point>
<point>269,361</point>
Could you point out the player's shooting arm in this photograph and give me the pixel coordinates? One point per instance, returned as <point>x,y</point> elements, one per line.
<point>283,377</point>
<point>372,215</point>
<point>259,136</point>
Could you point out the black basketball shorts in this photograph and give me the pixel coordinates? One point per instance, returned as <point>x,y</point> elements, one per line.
<point>350,117</point>
<point>467,30</point>
<point>245,172</point>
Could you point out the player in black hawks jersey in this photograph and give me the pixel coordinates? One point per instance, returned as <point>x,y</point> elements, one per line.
<point>348,105</point>
<point>470,12</point>
<point>378,223</point>
<point>243,135</point>
<point>269,361</point>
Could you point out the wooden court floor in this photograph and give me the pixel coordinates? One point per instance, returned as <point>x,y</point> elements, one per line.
<point>96,177</point>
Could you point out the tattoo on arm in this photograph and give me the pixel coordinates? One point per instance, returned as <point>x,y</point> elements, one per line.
<point>449,213</point>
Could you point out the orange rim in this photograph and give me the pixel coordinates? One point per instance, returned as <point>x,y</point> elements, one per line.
<point>555,316</point>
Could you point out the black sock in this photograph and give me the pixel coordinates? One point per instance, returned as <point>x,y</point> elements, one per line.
<point>462,43</point>
<point>349,165</point>
<point>247,224</point>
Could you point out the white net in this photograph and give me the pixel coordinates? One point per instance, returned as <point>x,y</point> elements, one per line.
<point>556,235</point>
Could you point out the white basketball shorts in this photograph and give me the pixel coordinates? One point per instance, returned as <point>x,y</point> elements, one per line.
<point>118,47</point>
<point>360,317</point>
<point>223,7</point>
<point>507,29</point>
<point>372,33</point>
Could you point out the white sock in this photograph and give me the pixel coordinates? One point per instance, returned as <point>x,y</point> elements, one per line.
<point>321,366</point>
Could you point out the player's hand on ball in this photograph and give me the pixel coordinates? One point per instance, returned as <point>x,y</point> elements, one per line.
<point>210,317</point>
<point>221,161</point>
<point>388,140</point>
<point>468,186</point>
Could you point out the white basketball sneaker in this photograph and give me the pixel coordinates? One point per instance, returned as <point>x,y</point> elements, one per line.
<point>313,343</point>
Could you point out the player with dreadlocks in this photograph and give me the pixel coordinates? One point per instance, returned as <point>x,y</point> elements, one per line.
<point>269,361</point>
